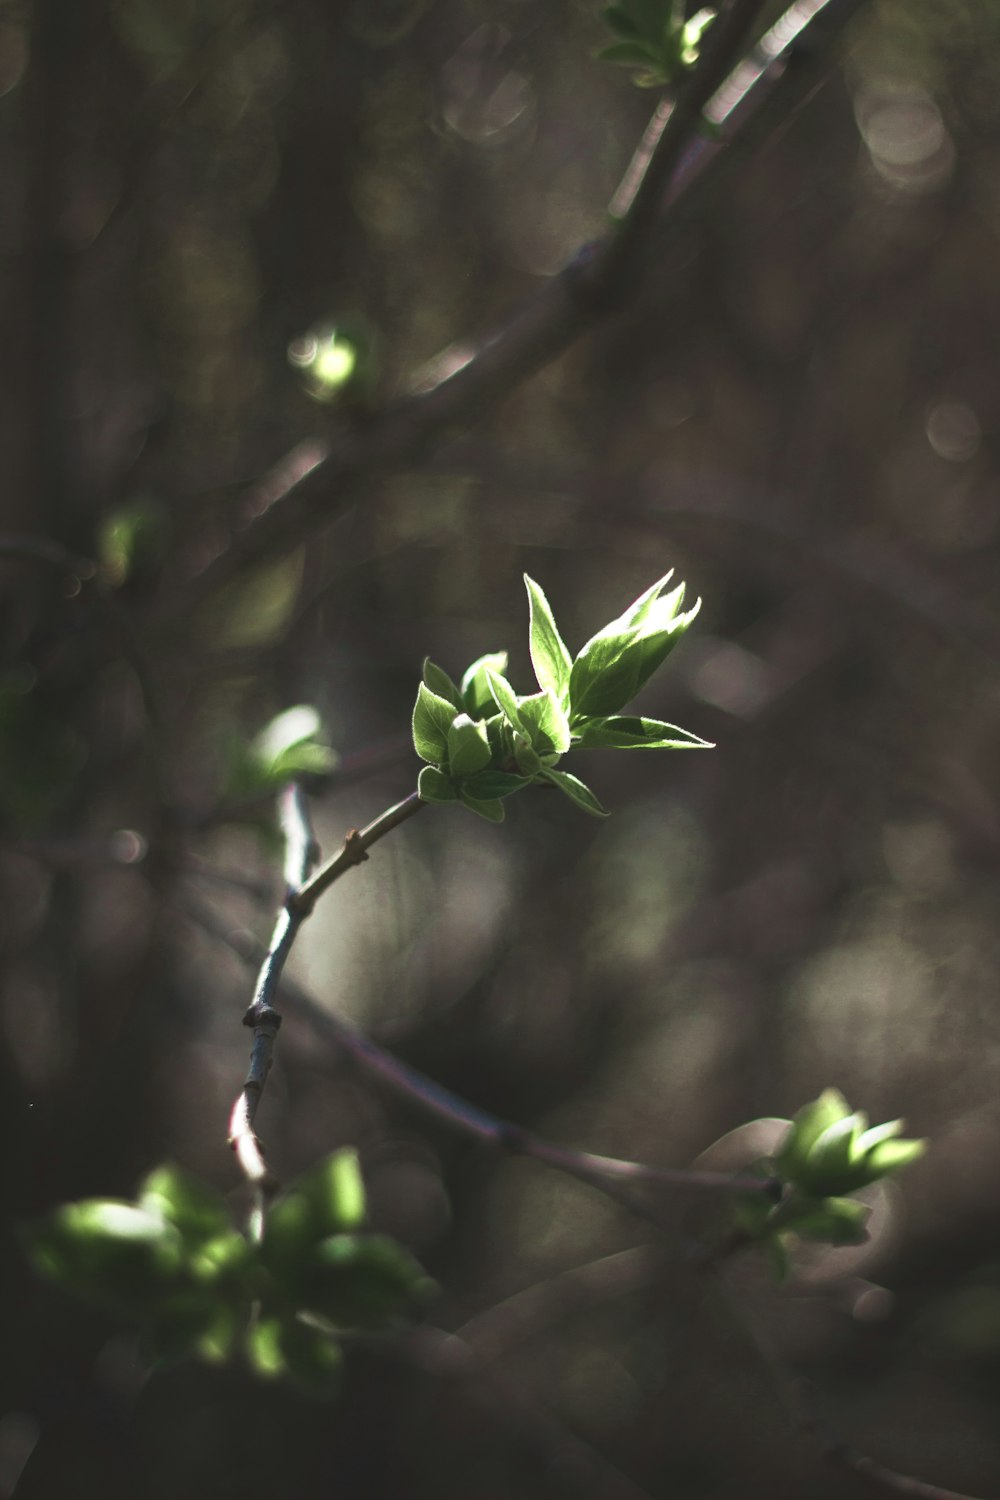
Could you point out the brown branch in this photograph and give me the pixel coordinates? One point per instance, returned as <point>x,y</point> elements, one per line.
<point>611,1176</point>
<point>318,481</point>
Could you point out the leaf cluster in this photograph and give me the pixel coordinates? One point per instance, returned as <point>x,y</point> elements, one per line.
<point>828,1152</point>
<point>173,1262</point>
<point>655,39</point>
<point>482,742</point>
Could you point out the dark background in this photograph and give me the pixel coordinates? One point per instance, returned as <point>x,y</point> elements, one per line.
<point>801,413</point>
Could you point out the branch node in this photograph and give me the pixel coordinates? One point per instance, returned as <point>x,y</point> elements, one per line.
<point>259,1014</point>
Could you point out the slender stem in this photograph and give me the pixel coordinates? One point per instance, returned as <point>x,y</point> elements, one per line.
<point>354,852</point>
<point>612,1176</point>
<point>301,852</point>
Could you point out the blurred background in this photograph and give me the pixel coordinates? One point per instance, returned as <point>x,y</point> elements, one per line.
<point>801,414</point>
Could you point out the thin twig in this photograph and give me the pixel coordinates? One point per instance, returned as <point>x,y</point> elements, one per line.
<point>262,1014</point>
<point>354,852</point>
<point>610,1175</point>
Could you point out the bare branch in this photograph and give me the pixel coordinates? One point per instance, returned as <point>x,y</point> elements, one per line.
<point>611,1176</point>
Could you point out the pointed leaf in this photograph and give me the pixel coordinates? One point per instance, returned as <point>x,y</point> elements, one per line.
<point>506,700</point>
<point>634,733</point>
<point>892,1156</point>
<point>432,716</point>
<point>575,790</point>
<point>546,725</point>
<point>476,697</point>
<point>806,1128</point>
<point>440,683</point>
<point>549,656</point>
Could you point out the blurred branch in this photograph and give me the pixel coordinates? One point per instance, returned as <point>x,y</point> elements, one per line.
<point>624,258</point>
<point>318,480</point>
<point>610,1175</point>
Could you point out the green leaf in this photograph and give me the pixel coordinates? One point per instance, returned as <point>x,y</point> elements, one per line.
<point>506,700</point>
<point>806,1128</point>
<point>432,718</point>
<point>830,1168</point>
<point>490,808</point>
<point>619,660</point>
<point>575,790</point>
<point>476,697</point>
<point>364,1281</point>
<point>440,683</point>
<point>434,786</point>
<point>832,1221</point>
<point>110,1252</point>
<point>549,656</point>
<point>890,1156</point>
<point>328,1199</point>
<point>635,733</point>
<point>468,746</point>
<point>264,1351</point>
<point>187,1202</point>
<point>488,785</point>
<point>223,1261</point>
<point>545,723</point>
<point>526,758</point>
<point>292,727</point>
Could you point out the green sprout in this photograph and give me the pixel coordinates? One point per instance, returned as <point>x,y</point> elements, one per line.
<point>828,1152</point>
<point>482,742</point>
<point>655,39</point>
<point>173,1263</point>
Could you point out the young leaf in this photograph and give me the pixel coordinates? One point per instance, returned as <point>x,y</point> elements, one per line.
<point>111,1252</point>
<point>440,683</point>
<point>185,1201</point>
<point>549,656</point>
<point>833,1221</point>
<point>634,733</point>
<point>506,700</point>
<point>615,663</point>
<point>434,786</point>
<point>364,1281</point>
<point>476,697</point>
<point>489,808</point>
<point>545,723</point>
<point>432,718</point>
<point>806,1129</point>
<point>468,746</point>
<point>574,789</point>
<point>488,785</point>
